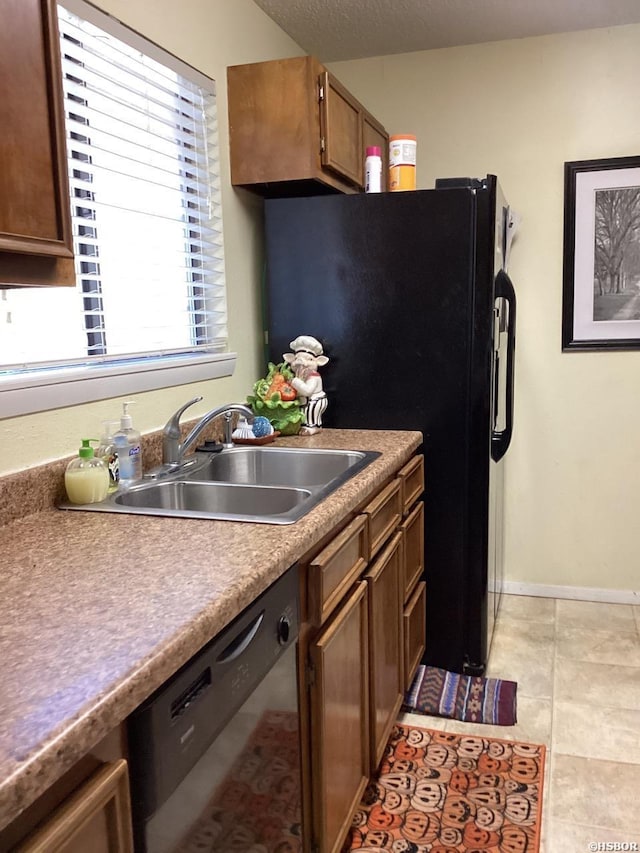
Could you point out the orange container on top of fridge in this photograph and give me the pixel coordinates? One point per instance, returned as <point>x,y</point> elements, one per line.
<point>402,162</point>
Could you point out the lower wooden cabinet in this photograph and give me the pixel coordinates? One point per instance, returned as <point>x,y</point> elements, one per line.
<point>386,664</point>
<point>414,630</point>
<point>96,817</point>
<point>334,571</point>
<point>413,542</point>
<point>361,640</point>
<point>339,710</point>
<point>383,514</point>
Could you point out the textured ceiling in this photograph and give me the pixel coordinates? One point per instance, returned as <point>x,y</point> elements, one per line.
<point>351,29</point>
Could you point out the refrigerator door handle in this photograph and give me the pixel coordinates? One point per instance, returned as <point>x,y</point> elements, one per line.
<point>500,440</point>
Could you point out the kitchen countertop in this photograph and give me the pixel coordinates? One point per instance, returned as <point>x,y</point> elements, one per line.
<point>99,609</point>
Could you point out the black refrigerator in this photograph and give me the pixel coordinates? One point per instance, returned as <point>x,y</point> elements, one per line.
<point>409,296</point>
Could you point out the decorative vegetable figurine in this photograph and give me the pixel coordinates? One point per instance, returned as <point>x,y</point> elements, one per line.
<point>275,398</point>
<point>306,358</point>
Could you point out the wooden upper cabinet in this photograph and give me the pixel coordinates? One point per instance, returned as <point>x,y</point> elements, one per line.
<point>294,129</point>
<point>34,195</point>
<point>341,130</point>
<point>36,245</point>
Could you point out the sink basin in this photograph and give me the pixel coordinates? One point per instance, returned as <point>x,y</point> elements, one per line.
<point>206,500</point>
<point>280,466</point>
<point>274,485</point>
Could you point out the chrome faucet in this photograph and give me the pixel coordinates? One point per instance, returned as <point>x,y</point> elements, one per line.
<point>173,450</point>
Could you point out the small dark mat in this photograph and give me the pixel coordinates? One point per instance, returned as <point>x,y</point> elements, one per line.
<point>467,698</point>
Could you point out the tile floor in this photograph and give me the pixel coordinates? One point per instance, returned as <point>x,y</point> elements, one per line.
<point>577,664</point>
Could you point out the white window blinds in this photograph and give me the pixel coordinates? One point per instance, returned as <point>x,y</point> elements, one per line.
<point>145,204</point>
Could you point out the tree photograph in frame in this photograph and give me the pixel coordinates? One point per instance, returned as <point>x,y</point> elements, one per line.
<point>601,281</point>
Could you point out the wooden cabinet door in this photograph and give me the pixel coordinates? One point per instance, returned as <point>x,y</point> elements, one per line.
<point>413,559</point>
<point>35,216</point>
<point>414,630</point>
<point>339,699</point>
<point>273,116</point>
<point>341,129</point>
<point>385,646</point>
<point>96,818</point>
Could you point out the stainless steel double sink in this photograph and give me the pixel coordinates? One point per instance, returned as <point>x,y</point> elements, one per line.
<point>270,485</point>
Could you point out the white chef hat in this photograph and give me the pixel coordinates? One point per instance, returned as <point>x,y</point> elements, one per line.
<point>305,343</point>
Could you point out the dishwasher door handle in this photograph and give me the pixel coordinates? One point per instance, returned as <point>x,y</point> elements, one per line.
<point>242,642</point>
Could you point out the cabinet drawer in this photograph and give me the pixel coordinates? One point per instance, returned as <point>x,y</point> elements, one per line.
<point>412,479</point>
<point>413,543</point>
<point>384,514</point>
<point>336,568</point>
<point>414,619</point>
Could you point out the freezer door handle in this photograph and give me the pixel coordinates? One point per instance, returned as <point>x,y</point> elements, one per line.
<point>501,439</point>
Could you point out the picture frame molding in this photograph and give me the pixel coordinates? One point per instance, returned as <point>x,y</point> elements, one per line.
<point>572,169</point>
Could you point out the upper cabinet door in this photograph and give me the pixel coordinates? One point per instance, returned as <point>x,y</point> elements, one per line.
<point>34,193</point>
<point>341,129</point>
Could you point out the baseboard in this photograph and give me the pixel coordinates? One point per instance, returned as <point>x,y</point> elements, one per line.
<point>578,593</point>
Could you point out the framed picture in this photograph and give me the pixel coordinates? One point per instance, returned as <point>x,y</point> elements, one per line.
<point>601,282</point>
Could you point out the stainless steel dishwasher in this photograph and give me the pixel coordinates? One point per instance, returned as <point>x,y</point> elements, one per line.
<point>215,752</point>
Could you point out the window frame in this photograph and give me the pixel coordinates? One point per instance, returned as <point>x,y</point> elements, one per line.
<point>60,385</point>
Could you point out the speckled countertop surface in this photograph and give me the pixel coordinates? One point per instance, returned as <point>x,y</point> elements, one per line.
<point>98,609</point>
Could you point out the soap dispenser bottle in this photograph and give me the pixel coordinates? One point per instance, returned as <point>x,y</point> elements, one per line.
<point>107,451</point>
<point>127,442</point>
<point>86,478</point>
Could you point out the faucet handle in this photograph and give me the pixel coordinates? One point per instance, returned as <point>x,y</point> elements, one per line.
<point>172,427</point>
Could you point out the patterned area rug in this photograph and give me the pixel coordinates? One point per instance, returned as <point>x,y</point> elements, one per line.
<point>468,698</point>
<point>257,807</point>
<point>437,792</point>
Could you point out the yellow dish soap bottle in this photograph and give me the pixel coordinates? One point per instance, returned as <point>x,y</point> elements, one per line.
<point>86,478</point>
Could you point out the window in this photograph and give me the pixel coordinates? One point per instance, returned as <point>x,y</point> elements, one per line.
<point>149,304</point>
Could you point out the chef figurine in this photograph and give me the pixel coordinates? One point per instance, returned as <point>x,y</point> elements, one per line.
<point>305,360</point>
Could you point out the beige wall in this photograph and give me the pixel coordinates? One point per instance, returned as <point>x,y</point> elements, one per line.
<point>208,34</point>
<point>520,109</point>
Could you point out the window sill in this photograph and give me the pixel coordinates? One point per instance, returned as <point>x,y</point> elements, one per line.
<point>55,389</point>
